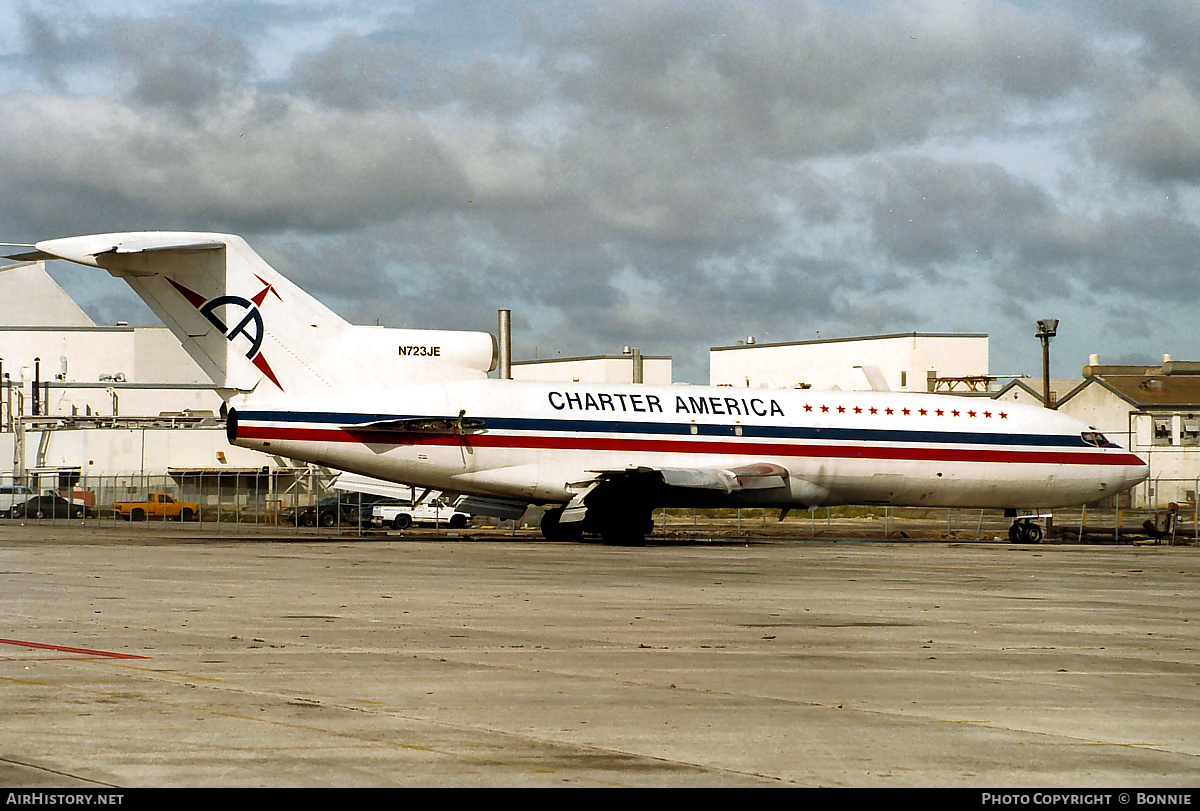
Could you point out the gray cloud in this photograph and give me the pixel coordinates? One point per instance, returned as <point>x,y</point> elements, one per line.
<point>1157,135</point>
<point>673,174</point>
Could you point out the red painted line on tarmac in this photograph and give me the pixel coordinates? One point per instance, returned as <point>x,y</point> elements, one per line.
<point>63,649</point>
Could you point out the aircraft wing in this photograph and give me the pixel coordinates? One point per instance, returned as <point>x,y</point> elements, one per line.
<point>724,480</point>
<point>758,476</point>
<point>421,425</point>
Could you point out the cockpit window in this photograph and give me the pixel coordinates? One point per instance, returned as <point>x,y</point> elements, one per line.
<point>1095,438</point>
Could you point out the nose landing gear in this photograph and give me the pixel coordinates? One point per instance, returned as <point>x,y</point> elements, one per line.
<point>1025,531</point>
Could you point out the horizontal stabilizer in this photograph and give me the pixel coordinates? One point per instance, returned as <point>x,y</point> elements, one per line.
<point>103,250</point>
<point>29,253</point>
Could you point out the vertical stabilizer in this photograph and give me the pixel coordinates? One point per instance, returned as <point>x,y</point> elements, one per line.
<point>245,324</point>
<point>252,330</point>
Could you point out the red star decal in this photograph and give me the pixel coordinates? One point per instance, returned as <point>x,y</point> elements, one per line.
<point>807,407</point>
<point>874,410</point>
<point>987,414</point>
<point>262,295</point>
<point>888,411</point>
<point>970,413</point>
<point>825,409</point>
<point>953,412</point>
<point>857,410</point>
<point>841,409</point>
<point>906,412</point>
<point>922,412</point>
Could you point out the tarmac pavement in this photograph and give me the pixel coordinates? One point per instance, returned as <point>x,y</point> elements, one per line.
<point>134,657</point>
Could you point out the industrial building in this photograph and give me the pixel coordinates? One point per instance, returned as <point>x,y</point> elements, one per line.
<point>914,361</point>
<point>1155,412</point>
<point>628,367</point>
<point>114,411</point>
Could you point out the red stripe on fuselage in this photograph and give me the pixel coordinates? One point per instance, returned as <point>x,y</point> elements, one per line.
<point>690,446</point>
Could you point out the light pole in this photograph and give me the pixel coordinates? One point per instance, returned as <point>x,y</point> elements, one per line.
<point>1047,329</point>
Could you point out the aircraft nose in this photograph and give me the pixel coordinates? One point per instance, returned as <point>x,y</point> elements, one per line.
<point>1135,473</point>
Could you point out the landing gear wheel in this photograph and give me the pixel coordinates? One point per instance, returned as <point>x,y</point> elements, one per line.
<point>627,528</point>
<point>554,530</point>
<point>1025,532</point>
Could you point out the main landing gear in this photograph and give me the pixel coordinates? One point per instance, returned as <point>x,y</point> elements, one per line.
<point>616,528</point>
<point>1025,530</point>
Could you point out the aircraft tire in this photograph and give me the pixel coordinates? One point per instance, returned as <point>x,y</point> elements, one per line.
<point>626,528</point>
<point>622,536</point>
<point>554,530</point>
<point>1025,532</point>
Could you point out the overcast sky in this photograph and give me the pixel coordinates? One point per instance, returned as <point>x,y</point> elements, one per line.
<point>668,175</point>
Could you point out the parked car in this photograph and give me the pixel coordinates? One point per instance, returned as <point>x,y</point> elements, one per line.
<point>157,505</point>
<point>48,506</point>
<point>437,511</point>
<point>346,509</point>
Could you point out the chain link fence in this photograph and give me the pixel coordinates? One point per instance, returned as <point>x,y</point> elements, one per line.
<point>270,499</point>
<point>303,503</point>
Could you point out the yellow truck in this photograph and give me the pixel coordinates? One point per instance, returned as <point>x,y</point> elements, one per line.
<point>158,505</point>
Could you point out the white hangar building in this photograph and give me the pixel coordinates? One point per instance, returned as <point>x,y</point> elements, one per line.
<point>916,361</point>
<point>655,369</point>
<point>81,403</point>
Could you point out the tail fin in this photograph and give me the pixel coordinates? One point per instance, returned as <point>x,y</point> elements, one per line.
<point>248,327</point>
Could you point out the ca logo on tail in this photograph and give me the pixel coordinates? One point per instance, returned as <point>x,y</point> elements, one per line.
<point>250,326</point>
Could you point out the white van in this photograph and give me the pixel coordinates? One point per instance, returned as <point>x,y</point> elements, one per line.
<point>12,494</point>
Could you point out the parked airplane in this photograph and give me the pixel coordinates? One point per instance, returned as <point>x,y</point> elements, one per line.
<point>417,407</point>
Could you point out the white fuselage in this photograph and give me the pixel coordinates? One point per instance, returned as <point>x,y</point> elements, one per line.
<point>542,442</point>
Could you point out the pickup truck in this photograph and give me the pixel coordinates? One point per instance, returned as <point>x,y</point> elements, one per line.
<point>158,505</point>
<point>434,511</point>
